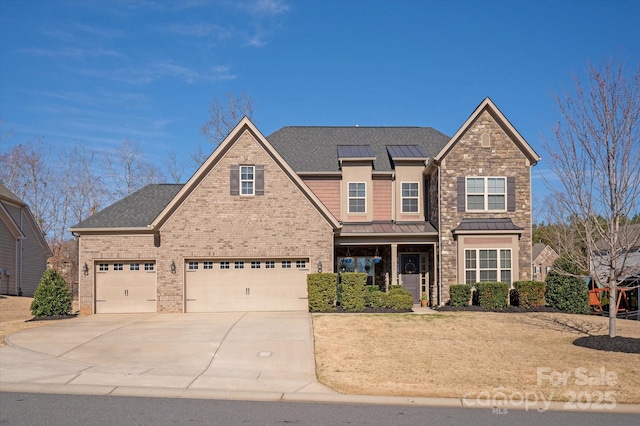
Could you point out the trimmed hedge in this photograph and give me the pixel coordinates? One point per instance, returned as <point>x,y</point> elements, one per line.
<point>492,296</point>
<point>460,294</point>
<point>565,292</point>
<point>400,299</point>
<point>354,292</point>
<point>322,288</point>
<point>52,297</point>
<point>529,294</point>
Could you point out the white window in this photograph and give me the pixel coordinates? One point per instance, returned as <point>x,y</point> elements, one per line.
<point>247,180</point>
<point>487,265</point>
<point>103,267</point>
<point>134,266</point>
<point>286,264</point>
<point>270,264</point>
<point>357,197</point>
<point>193,266</point>
<point>301,264</point>
<point>486,193</point>
<point>409,197</point>
<point>118,266</point>
<point>207,265</point>
<point>255,264</point>
<point>238,264</point>
<point>224,265</point>
<point>149,266</point>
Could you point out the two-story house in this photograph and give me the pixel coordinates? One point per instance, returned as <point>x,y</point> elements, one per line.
<point>406,205</point>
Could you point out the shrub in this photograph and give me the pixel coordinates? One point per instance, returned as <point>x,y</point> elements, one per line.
<point>529,294</point>
<point>400,299</point>
<point>322,289</point>
<point>52,296</point>
<point>460,294</point>
<point>492,296</point>
<point>376,299</point>
<point>566,291</point>
<point>353,291</point>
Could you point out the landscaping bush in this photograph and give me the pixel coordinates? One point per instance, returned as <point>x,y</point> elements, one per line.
<point>529,294</point>
<point>322,289</point>
<point>376,299</point>
<point>460,294</point>
<point>566,290</point>
<point>52,297</point>
<point>400,299</point>
<point>353,297</point>
<point>492,296</point>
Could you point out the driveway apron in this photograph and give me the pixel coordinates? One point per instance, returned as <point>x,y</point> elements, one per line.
<point>236,351</point>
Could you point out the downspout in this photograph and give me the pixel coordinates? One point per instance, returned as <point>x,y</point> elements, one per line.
<point>19,280</point>
<point>439,238</point>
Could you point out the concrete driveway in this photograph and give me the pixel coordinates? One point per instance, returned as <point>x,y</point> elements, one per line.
<point>259,353</point>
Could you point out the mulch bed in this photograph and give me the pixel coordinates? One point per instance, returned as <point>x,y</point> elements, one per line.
<point>628,345</point>
<point>508,309</point>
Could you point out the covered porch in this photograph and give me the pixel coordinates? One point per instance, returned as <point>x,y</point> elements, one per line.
<point>391,254</point>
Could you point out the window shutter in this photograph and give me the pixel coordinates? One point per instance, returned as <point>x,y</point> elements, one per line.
<point>511,194</point>
<point>259,170</point>
<point>461,194</point>
<point>234,179</point>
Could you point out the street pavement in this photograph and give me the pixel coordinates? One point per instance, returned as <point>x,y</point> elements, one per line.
<point>252,356</point>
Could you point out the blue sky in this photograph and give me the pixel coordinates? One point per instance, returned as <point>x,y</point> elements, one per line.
<point>99,72</point>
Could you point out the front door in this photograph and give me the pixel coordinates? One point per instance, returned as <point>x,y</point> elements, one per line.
<point>410,270</point>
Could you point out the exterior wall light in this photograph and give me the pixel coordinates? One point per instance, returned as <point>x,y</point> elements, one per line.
<point>319,266</point>
<point>85,269</point>
<point>173,267</point>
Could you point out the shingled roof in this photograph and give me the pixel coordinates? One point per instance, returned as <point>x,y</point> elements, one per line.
<point>134,211</point>
<point>315,149</point>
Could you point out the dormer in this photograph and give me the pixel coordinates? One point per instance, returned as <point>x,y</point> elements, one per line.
<point>408,162</point>
<point>356,163</point>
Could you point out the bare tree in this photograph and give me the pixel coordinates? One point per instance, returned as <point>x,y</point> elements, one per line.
<point>223,116</point>
<point>174,167</point>
<point>129,170</point>
<point>595,154</point>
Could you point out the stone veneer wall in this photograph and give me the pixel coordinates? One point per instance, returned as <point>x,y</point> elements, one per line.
<point>211,223</point>
<point>469,158</point>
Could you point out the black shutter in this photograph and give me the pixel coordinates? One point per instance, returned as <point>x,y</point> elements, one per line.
<point>511,194</point>
<point>461,194</point>
<point>234,179</point>
<point>259,170</point>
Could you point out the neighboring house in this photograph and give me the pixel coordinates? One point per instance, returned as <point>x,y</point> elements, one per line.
<point>543,259</point>
<point>406,205</point>
<point>23,249</point>
<point>627,254</point>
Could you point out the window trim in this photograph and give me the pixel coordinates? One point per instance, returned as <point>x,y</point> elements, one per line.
<point>349,197</point>
<point>485,194</point>
<point>241,180</point>
<point>477,269</point>
<point>416,197</point>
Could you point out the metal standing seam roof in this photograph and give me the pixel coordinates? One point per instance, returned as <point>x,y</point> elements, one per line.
<point>502,224</point>
<point>355,151</point>
<point>315,149</point>
<point>388,228</point>
<point>406,151</point>
<point>134,211</point>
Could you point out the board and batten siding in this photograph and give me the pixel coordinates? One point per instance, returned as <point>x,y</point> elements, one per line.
<point>382,200</point>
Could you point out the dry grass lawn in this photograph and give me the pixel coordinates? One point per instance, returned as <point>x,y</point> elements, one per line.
<point>460,354</point>
<point>14,312</point>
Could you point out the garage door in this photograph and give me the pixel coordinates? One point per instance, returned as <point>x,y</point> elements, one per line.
<point>246,285</point>
<point>125,287</point>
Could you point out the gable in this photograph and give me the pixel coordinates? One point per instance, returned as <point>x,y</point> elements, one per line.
<point>487,128</point>
<point>245,145</point>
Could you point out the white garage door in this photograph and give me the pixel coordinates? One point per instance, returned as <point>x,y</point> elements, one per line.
<point>241,285</point>
<point>125,287</point>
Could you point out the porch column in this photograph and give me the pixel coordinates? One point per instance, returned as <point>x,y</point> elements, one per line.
<point>436,278</point>
<point>394,264</point>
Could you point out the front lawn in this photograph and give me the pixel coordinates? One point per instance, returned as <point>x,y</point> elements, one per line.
<point>471,354</point>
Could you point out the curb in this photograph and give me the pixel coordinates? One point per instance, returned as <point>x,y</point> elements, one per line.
<point>310,397</point>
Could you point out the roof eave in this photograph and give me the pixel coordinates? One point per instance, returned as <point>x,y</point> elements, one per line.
<point>137,229</point>
<point>487,232</point>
